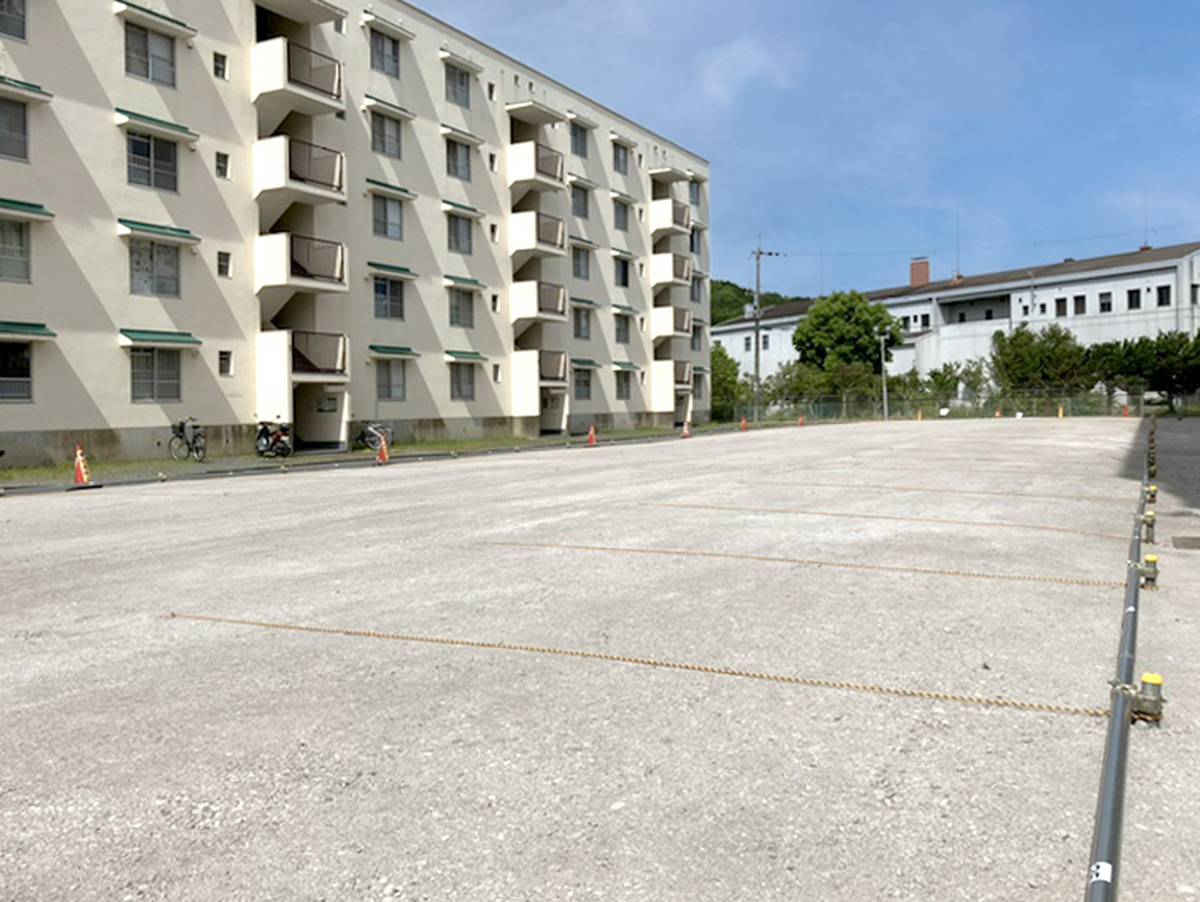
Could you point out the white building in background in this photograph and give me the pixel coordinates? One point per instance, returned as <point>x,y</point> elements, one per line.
<point>319,214</point>
<point>1119,296</point>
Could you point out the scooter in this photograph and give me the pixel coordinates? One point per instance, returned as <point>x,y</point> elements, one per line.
<point>273,440</point>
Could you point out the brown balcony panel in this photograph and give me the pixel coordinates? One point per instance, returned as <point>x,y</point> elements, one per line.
<point>315,71</point>
<point>552,298</point>
<point>318,352</point>
<point>314,164</point>
<point>553,365</point>
<point>682,214</point>
<point>550,230</point>
<point>683,267</point>
<point>549,162</point>
<point>315,258</point>
<point>683,371</point>
<point>683,320</point>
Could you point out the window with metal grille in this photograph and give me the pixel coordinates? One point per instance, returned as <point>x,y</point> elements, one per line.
<point>458,86</point>
<point>621,159</point>
<point>697,387</point>
<point>697,294</point>
<point>458,160</point>
<point>385,135</point>
<point>389,298</point>
<point>462,308</point>
<point>621,272</point>
<point>583,384</point>
<point>385,53</point>
<point>1106,302</point>
<point>14,130</point>
<point>581,319</point>
<point>620,216</point>
<point>694,193</point>
<point>581,262</point>
<point>387,217</point>
<point>224,363</point>
<point>624,381</point>
<point>579,140</point>
<point>16,371</point>
<point>459,228</point>
<point>579,201</point>
<point>462,382</point>
<point>224,264</point>
<point>149,54</point>
<point>155,374</point>
<point>12,18</point>
<point>697,337</point>
<point>221,165</point>
<point>153,268</point>
<point>152,161</point>
<point>221,66</point>
<point>391,380</point>
<point>622,329</point>
<point>14,251</point>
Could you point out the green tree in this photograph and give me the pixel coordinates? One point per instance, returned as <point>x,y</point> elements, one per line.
<point>1049,360</point>
<point>943,384</point>
<point>851,380</point>
<point>845,328</point>
<point>728,301</point>
<point>727,390</point>
<point>974,379</point>
<point>1175,366</point>
<point>795,381</point>
<point>1106,361</point>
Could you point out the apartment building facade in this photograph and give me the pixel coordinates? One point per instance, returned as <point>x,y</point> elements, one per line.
<point>321,215</point>
<point>1110,298</point>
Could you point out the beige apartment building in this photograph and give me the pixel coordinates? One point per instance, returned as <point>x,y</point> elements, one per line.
<point>322,215</point>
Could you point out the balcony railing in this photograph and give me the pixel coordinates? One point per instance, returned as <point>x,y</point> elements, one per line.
<point>314,70</point>
<point>549,162</point>
<point>682,267</point>
<point>681,214</point>
<point>683,319</point>
<point>318,352</point>
<point>316,165</point>
<point>553,366</point>
<point>551,230</point>
<point>552,298</point>
<point>683,372</point>
<point>316,258</point>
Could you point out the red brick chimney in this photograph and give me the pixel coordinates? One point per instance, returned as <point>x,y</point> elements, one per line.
<point>918,272</point>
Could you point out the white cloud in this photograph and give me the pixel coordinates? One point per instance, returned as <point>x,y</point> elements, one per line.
<point>735,66</point>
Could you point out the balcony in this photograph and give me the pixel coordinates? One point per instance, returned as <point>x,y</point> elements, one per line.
<point>318,357</point>
<point>683,374</point>
<point>286,77</point>
<point>670,217</point>
<point>670,322</point>
<point>287,264</point>
<point>533,234</point>
<point>293,370</point>
<point>670,269</point>
<point>532,301</point>
<point>289,171</point>
<point>534,167</point>
<point>537,374</point>
<point>307,12</point>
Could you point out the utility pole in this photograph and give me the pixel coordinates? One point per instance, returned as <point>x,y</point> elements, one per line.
<point>759,253</point>
<point>883,371</point>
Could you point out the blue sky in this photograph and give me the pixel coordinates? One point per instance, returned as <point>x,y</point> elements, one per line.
<point>866,128</point>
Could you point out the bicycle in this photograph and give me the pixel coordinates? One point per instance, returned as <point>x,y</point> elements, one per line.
<point>372,436</point>
<point>185,442</point>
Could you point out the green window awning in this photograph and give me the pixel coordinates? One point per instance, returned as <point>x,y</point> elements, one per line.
<point>153,124</point>
<point>584,363</point>
<point>24,209</point>
<point>387,106</point>
<point>151,230</point>
<point>623,254</point>
<point>389,188</point>
<point>451,206</point>
<point>155,337</point>
<point>465,357</point>
<point>464,282</point>
<point>393,351</point>
<point>392,269</point>
<point>144,15</point>
<point>699,369</point>
<point>25,330</point>
<point>584,302</point>
<point>585,242</point>
<point>626,365</point>
<point>24,87</point>
<point>624,308</point>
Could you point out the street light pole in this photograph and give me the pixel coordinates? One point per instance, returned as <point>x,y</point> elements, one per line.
<point>759,253</point>
<point>883,371</point>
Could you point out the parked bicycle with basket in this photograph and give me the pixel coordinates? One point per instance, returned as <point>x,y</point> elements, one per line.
<point>187,440</point>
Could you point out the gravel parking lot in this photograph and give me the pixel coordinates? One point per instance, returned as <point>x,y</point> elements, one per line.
<point>144,756</point>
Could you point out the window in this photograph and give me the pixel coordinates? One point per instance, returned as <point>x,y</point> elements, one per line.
<point>462,382</point>
<point>697,291</point>
<point>493,163</point>
<point>12,18</point>
<point>460,233</point>
<point>385,135</point>
<point>1133,298</point>
<point>224,264</point>
<point>746,344</point>
<point>1163,293</point>
<point>385,54</point>
<point>155,374</point>
<point>387,217</point>
<point>581,262</point>
<point>491,90</point>
<point>1024,310</point>
<point>221,166</point>
<point>14,251</point>
<point>694,241</point>
<point>1106,302</point>
<point>924,320</point>
<point>698,387</point>
<point>989,313</point>
<point>697,337</point>
<point>149,54</point>
<point>620,216</point>
<point>1080,304</point>
<point>16,371</point>
<point>579,201</point>
<point>389,298</point>
<point>1060,306</point>
<point>462,308</point>
<point>581,322</point>
<point>622,273</point>
<point>339,25</point>
<point>579,140</point>
<point>621,159</point>
<point>694,193</point>
<point>622,327</point>
<point>624,382</point>
<point>221,66</point>
<point>583,384</point>
<point>495,303</point>
<point>458,86</point>
<point>153,268</point>
<point>1042,309</point>
<point>496,373</point>
<point>224,363</point>
<point>152,161</point>
<point>962,317</point>
<point>766,341</point>
<point>458,160</point>
<point>14,129</point>
<point>494,232</point>
<point>1195,295</point>
<point>391,380</point>
<point>904,321</point>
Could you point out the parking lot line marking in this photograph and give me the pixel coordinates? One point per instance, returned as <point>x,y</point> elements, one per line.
<point>810,682</point>
<point>1045,496</point>
<point>809,562</point>
<point>998,524</point>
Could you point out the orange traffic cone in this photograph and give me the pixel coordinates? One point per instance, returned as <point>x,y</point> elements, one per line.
<point>592,436</point>
<point>382,457</point>
<point>687,429</point>
<point>800,422</point>
<point>83,475</point>
<point>1125,410</point>
<point>997,413</point>
<point>745,425</point>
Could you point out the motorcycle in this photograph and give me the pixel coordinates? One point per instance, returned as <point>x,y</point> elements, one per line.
<point>273,440</point>
<point>372,436</point>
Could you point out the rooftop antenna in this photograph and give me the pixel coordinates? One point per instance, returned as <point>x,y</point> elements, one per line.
<point>957,246</point>
<point>1145,221</point>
